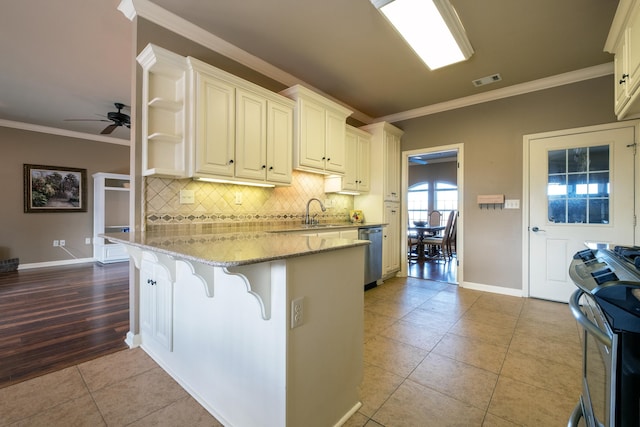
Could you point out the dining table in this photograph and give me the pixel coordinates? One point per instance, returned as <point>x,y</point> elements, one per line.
<point>422,232</point>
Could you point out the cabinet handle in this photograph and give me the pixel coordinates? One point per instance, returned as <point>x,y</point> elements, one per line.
<point>265,166</point>
<point>270,168</point>
<point>324,158</point>
<point>328,159</point>
<point>624,78</point>
<point>151,282</point>
<point>230,162</point>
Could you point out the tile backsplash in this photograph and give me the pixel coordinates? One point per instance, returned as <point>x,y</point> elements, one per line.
<point>215,204</point>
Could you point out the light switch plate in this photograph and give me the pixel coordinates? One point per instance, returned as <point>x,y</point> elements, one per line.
<point>512,204</point>
<point>187,197</point>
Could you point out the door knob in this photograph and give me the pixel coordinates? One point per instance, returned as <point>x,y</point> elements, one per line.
<point>536,229</point>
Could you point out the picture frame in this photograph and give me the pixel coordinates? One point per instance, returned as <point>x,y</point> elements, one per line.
<point>54,189</point>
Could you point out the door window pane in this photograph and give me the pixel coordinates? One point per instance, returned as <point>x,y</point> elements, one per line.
<point>578,185</point>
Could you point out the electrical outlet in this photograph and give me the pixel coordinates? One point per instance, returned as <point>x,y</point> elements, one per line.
<point>297,312</point>
<point>56,243</point>
<point>187,197</point>
<point>87,240</point>
<point>238,198</point>
<point>62,242</point>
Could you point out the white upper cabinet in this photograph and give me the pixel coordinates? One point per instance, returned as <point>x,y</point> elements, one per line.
<point>319,132</point>
<point>165,136</point>
<point>243,132</point>
<point>357,175</point>
<point>201,122</point>
<point>214,115</point>
<point>624,43</point>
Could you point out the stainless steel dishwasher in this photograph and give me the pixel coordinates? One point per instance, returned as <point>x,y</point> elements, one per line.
<point>373,255</point>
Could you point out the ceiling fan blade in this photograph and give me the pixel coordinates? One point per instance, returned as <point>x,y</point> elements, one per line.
<point>86,120</point>
<point>109,129</point>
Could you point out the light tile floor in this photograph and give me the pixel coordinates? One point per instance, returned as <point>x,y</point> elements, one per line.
<point>435,355</point>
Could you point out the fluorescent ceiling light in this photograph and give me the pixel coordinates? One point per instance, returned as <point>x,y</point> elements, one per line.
<point>431,27</point>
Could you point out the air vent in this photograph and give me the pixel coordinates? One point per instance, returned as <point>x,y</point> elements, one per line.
<point>487,80</point>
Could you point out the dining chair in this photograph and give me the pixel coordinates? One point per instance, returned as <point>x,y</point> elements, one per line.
<point>435,217</point>
<point>441,244</point>
<point>413,247</point>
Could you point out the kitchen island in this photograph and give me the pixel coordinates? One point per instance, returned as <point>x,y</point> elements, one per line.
<point>263,329</point>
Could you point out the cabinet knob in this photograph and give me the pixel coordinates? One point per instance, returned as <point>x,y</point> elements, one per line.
<point>231,162</point>
<point>270,168</point>
<point>624,78</point>
<point>151,282</point>
<point>324,158</point>
<point>265,166</point>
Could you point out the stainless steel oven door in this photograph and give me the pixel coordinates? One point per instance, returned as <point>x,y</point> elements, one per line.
<point>599,362</point>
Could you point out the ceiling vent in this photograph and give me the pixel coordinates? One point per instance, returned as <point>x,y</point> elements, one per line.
<point>487,80</point>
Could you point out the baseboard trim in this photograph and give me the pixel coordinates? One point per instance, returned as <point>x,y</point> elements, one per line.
<point>493,289</point>
<point>133,340</point>
<point>55,263</point>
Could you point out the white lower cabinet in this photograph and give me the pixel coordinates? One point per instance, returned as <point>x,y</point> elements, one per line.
<point>156,301</point>
<point>391,239</point>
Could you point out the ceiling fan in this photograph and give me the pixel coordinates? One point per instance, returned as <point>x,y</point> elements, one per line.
<point>117,119</point>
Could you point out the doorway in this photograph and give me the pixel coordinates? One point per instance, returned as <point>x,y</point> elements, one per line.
<point>434,175</point>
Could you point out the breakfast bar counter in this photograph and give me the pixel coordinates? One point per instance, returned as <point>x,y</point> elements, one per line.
<point>261,328</point>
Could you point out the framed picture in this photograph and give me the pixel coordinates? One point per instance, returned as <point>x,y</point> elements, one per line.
<point>54,189</point>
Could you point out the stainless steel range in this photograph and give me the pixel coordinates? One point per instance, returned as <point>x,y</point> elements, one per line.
<point>607,306</point>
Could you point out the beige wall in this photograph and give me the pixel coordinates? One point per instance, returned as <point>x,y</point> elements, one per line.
<point>492,137</point>
<point>29,236</point>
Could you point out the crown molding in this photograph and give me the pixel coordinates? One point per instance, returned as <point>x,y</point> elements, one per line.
<point>515,90</point>
<point>62,132</point>
<point>178,25</point>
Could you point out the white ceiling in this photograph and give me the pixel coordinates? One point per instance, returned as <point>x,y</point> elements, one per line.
<point>74,62</point>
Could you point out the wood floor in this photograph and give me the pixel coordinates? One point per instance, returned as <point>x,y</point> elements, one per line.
<point>438,270</point>
<point>53,318</point>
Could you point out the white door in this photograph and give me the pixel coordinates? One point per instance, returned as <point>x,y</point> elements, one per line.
<point>581,190</point>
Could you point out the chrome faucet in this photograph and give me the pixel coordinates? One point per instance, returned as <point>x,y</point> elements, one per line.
<point>307,218</point>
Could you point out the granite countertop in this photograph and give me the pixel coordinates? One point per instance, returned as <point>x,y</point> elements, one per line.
<point>241,246</point>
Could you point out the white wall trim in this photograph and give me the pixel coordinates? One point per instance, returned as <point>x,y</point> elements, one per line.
<point>493,289</point>
<point>63,132</point>
<point>519,89</point>
<point>55,263</point>
<point>404,209</point>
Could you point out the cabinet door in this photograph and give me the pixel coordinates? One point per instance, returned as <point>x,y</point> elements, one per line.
<point>215,126</point>
<point>279,142</point>
<point>335,148</point>
<point>349,234</point>
<point>633,51</point>
<point>312,135</point>
<point>390,242</point>
<point>146,311</point>
<point>391,167</point>
<point>251,135</point>
<point>350,178</point>
<point>620,76</point>
<point>156,303</point>
<point>364,164</point>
